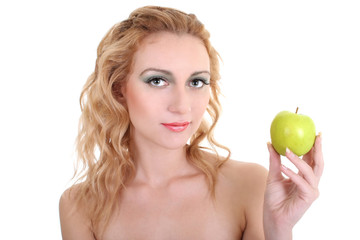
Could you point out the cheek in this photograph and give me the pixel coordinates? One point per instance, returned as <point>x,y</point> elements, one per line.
<point>200,105</point>
<point>141,106</point>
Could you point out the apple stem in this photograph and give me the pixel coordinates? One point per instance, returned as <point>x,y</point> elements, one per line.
<point>297,108</point>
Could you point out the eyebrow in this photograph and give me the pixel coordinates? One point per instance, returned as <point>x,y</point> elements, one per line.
<point>169,73</point>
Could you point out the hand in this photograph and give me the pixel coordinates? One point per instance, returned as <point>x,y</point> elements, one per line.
<point>287,199</point>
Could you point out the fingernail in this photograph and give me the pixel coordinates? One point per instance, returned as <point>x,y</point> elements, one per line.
<point>285,170</point>
<point>288,150</point>
<point>284,167</point>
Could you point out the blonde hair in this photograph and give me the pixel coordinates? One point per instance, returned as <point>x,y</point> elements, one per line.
<point>104,137</point>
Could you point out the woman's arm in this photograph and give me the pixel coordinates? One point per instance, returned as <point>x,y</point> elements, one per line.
<point>74,226</point>
<point>287,199</point>
<point>255,188</point>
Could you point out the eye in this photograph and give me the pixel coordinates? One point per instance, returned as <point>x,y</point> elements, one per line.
<point>198,83</point>
<point>157,82</point>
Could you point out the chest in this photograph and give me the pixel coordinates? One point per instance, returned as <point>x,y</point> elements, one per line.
<point>172,216</point>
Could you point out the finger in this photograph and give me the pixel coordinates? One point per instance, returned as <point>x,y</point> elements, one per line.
<point>318,157</point>
<point>305,170</point>
<point>275,164</point>
<point>302,185</point>
<point>308,157</point>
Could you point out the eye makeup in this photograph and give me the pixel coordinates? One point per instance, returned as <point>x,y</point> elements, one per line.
<point>198,82</point>
<point>156,80</point>
<point>162,78</point>
<point>200,77</point>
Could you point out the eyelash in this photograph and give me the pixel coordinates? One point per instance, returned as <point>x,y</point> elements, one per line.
<point>158,78</point>
<point>205,82</point>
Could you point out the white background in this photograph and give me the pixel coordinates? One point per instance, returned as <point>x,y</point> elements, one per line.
<point>277,55</point>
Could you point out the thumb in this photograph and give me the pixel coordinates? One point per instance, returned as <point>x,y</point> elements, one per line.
<point>275,164</point>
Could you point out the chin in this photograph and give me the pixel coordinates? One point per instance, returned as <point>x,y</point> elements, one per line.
<point>174,143</point>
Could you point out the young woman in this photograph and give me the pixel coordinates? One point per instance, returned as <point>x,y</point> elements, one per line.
<point>144,174</point>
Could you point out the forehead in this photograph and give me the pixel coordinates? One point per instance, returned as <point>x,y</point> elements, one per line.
<point>172,52</point>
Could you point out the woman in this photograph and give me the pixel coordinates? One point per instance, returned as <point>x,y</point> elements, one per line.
<point>144,173</point>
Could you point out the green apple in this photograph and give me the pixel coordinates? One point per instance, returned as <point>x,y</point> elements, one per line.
<point>294,131</point>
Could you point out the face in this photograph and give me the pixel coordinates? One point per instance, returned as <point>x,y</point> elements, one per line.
<point>168,89</point>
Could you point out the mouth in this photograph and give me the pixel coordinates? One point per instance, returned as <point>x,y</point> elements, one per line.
<point>176,126</point>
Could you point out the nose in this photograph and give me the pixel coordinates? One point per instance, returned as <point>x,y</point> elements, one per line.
<point>180,101</point>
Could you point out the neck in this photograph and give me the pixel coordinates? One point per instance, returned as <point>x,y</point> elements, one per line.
<point>157,166</point>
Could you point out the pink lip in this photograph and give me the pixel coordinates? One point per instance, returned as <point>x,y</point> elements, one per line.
<point>176,126</point>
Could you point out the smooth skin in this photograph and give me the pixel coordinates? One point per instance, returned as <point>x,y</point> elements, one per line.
<point>169,197</point>
<point>287,199</point>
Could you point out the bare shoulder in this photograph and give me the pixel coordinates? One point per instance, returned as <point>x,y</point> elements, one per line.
<point>244,174</point>
<point>240,175</point>
<point>68,200</point>
<point>68,195</point>
<point>74,224</point>
<point>246,182</point>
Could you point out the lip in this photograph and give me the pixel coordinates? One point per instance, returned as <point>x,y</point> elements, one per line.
<point>176,126</point>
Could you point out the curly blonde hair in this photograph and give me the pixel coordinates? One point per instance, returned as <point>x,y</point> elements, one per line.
<point>104,158</point>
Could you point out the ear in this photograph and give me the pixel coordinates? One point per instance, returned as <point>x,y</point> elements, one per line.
<point>120,94</point>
